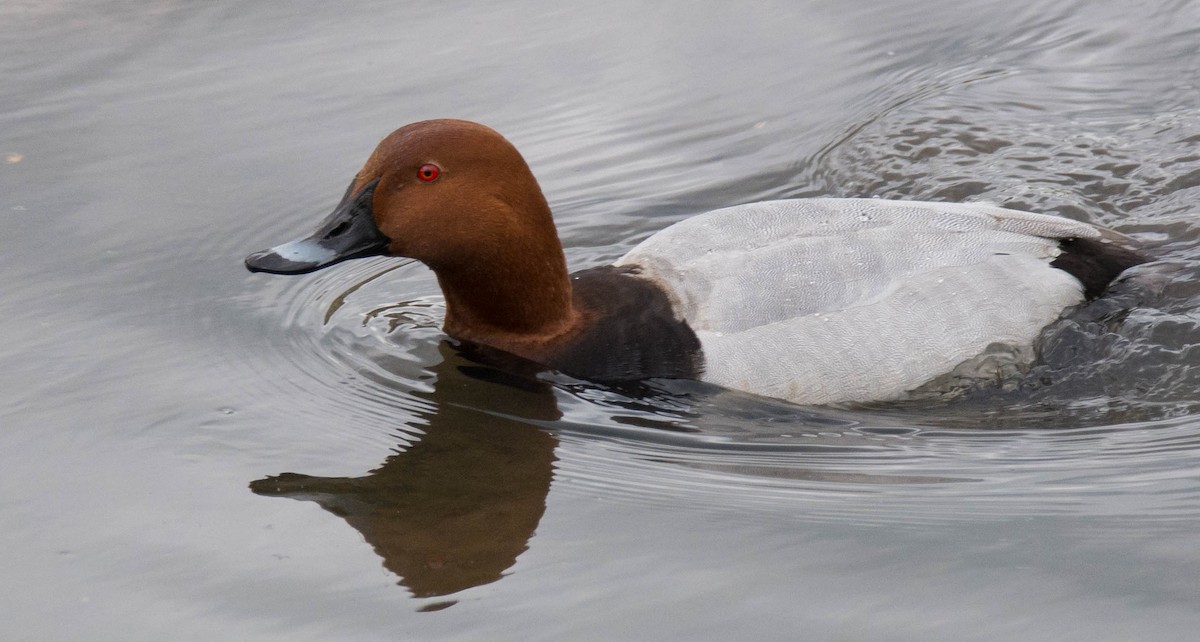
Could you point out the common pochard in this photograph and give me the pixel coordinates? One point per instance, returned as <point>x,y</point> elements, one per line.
<point>811,300</point>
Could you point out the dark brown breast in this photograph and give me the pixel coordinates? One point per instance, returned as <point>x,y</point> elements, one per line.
<point>631,331</point>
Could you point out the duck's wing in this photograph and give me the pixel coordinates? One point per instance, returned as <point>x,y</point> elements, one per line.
<point>822,300</point>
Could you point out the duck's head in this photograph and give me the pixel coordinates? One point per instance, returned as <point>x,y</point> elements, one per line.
<point>450,193</point>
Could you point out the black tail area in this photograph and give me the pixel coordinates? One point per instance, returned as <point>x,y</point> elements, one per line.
<point>1096,262</point>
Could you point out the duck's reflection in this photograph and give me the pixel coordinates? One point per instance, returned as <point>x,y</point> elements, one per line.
<point>455,509</point>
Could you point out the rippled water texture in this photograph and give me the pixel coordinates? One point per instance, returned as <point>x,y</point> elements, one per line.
<point>161,405</point>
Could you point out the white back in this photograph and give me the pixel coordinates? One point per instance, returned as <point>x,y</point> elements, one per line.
<point>825,300</point>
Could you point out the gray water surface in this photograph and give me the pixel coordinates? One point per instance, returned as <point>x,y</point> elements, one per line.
<point>163,409</point>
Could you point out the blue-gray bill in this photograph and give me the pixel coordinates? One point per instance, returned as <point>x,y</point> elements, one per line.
<point>348,232</point>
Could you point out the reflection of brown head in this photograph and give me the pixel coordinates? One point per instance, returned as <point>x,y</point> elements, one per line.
<point>456,508</point>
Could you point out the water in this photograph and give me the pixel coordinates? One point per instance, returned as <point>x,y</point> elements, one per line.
<point>160,403</point>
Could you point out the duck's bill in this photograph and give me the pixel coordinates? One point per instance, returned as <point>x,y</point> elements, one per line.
<point>348,232</point>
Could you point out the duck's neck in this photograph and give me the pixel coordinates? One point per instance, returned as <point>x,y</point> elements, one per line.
<point>517,307</point>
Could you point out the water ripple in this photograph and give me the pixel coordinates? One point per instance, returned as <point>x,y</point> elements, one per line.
<point>995,457</point>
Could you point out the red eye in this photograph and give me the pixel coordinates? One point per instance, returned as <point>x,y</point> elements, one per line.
<point>429,173</point>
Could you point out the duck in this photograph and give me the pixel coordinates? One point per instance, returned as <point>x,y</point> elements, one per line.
<point>813,300</point>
